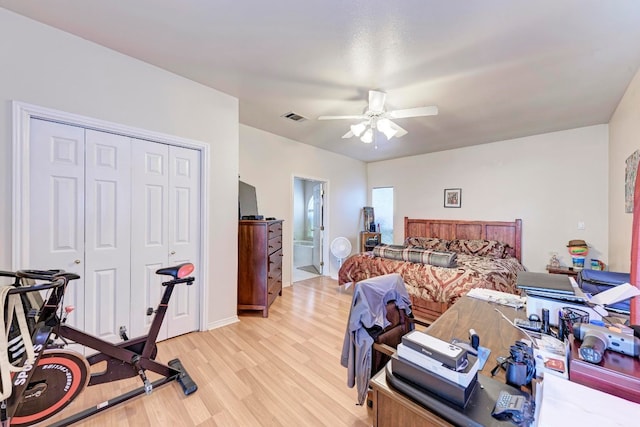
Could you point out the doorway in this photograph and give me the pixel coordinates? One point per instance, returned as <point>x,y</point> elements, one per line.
<point>308,228</point>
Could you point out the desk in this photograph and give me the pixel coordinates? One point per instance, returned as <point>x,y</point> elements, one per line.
<point>392,408</point>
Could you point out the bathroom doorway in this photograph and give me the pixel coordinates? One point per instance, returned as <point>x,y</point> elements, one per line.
<point>308,228</point>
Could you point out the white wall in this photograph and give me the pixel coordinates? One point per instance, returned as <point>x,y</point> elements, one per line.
<point>46,67</point>
<point>270,162</point>
<point>624,139</point>
<point>550,181</point>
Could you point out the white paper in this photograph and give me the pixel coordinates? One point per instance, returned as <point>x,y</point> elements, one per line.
<point>615,294</point>
<point>565,403</point>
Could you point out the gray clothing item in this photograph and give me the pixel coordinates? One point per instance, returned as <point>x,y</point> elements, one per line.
<point>368,309</point>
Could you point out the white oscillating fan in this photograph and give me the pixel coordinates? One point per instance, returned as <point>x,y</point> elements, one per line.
<point>340,248</point>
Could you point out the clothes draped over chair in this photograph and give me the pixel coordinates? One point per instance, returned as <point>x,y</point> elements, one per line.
<point>368,309</point>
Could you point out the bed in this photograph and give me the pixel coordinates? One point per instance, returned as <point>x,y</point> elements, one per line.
<point>488,254</point>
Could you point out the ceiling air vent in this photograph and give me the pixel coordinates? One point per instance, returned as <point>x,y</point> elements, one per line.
<point>294,116</point>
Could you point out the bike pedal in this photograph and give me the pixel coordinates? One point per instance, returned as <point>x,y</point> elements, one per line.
<point>188,385</point>
<point>148,387</point>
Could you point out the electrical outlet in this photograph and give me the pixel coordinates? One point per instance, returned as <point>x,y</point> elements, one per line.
<point>580,225</point>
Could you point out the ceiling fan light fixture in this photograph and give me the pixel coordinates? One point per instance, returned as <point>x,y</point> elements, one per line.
<point>359,128</point>
<point>384,126</point>
<point>367,137</point>
<point>378,119</point>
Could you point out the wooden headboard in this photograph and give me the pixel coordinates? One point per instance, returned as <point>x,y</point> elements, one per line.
<point>502,231</point>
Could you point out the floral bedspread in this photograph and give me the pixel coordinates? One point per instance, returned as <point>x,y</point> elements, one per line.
<point>438,284</point>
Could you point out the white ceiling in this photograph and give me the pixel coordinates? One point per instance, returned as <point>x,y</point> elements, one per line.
<point>497,69</point>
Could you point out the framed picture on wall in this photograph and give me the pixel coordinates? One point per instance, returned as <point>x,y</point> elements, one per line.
<point>452,197</point>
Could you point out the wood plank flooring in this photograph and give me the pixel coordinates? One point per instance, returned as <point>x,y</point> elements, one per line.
<point>280,371</point>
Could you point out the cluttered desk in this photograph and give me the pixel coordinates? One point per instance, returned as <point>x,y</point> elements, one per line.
<point>508,380</point>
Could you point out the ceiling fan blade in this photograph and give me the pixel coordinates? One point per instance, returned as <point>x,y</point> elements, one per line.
<point>354,117</point>
<point>348,135</point>
<point>413,112</point>
<point>400,131</point>
<point>376,100</point>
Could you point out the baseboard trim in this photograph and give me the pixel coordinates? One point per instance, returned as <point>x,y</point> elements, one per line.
<point>223,322</point>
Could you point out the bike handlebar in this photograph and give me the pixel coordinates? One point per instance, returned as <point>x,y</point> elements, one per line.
<point>43,274</point>
<point>55,278</point>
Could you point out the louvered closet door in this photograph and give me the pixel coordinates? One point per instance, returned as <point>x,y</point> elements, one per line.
<point>56,206</point>
<point>107,236</point>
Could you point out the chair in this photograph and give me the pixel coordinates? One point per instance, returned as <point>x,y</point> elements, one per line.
<point>380,316</point>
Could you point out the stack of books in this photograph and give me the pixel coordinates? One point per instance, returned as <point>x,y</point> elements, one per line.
<point>554,292</point>
<point>440,368</point>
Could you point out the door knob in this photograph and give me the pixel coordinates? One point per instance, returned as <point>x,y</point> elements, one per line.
<point>172,253</point>
<point>77,261</point>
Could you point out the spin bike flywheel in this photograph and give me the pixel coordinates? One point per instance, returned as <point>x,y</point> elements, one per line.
<point>58,378</point>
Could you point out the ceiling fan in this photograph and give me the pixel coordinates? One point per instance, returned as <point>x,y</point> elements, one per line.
<point>376,117</point>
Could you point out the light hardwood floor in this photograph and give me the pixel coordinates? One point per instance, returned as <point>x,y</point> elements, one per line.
<point>280,371</point>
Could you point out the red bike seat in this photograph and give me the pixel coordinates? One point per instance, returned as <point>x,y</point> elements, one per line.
<point>177,271</point>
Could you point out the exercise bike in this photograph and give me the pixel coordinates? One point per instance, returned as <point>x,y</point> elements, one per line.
<point>58,375</point>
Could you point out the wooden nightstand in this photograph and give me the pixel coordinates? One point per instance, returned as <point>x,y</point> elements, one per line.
<point>569,271</point>
<point>369,239</point>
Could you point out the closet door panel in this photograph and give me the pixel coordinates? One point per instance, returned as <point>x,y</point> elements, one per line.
<point>184,235</point>
<point>149,233</point>
<point>56,205</point>
<point>108,231</point>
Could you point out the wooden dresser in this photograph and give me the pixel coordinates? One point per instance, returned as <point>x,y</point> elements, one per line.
<point>259,264</point>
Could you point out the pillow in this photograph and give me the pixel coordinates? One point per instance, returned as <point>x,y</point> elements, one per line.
<point>479,247</point>
<point>432,243</point>
<point>416,255</point>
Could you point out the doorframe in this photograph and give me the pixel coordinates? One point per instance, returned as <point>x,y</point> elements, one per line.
<point>22,115</point>
<point>325,220</point>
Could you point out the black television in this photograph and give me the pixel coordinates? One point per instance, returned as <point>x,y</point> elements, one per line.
<point>247,201</point>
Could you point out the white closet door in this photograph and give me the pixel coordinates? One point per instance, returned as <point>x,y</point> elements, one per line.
<point>56,211</point>
<point>114,210</point>
<point>149,230</point>
<point>184,235</point>
<point>107,233</point>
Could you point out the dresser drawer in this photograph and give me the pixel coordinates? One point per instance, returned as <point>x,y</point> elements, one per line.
<point>274,244</point>
<point>275,230</point>
<point>274,286</point>
<point>275,263</point>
